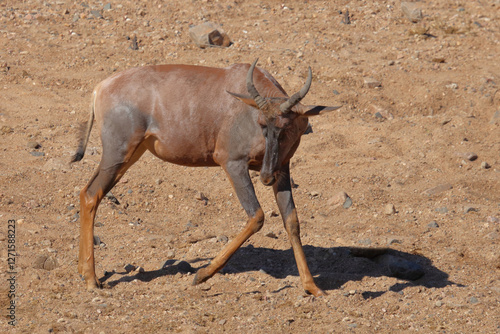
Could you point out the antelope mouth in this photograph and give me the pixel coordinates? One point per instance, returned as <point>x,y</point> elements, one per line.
<point>268,180</point>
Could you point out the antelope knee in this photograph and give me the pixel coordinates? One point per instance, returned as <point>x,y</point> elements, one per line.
<point>256,222</point>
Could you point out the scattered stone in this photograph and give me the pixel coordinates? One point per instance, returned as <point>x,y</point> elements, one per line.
<point>452,86</point>
<point>438,189</point>
<point>56,164</point>
<point>495,119</point>
<point>438,60</point>
<point>37,154</point>
<point>347,203</point>
<point>97,240</point>
<point>110,197</point>
<point>492,219</point>
<point>190,224</point>
<point>314,193</point>
<point>471,156</point>
<point>170,254</point>
<point>183,266</point>
<point>209,34</point>
<point>389,209</point>
<point>272,235</point>
<point>399,267</point>
<point>365,241</point>
<point>45,262</point>
<point>433,224</point>
<point>392,241</point>
<point>442,210</point>
<point>96,13</point>
<point>485,165</point>
<point>381,113</point>
<point>273,213</point>
<point>473,300</point>
<point>438,303</point>
<point>222,239</point>
<point>107,6</point>
<point>34,145</point>
<point>129,268</point>
<point>372,83</point>
<point>134,45</point>
<point>412,12</point>
<point>347,17</point>
<point>139,270</point>
<point>339,199</point>
<point>222,322</point>
<point>468,209</point>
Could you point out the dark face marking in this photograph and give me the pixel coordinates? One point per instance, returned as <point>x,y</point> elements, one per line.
<point>275,133</point>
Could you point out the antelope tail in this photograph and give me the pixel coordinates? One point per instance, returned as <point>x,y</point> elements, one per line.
<point>84,135</point>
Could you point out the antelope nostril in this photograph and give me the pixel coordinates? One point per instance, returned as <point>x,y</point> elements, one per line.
<point>268,181</point>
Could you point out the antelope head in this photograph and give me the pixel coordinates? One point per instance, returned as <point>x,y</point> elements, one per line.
<point>283,121</point>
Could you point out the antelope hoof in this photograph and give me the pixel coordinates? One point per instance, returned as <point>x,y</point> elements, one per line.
<point>316,292</point>
<point>201,276</point>
<point>93,283</point>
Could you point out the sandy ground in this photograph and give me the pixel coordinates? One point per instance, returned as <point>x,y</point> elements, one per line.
<point>426,140</point>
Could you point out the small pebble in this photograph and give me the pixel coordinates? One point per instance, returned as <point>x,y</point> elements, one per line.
<point>485,165</point>
<point>468,209</point>
<point>389,209</point>
<point>433,224</point>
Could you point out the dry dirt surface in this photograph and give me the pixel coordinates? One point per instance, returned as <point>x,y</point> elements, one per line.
<point>415,146</point>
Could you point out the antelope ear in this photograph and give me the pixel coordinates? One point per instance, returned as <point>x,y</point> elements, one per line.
<point>308,111</point>
<point>245,99</point>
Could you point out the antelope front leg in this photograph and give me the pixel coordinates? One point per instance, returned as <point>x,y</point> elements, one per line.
<point>283,192</point>
<point>242,184</point>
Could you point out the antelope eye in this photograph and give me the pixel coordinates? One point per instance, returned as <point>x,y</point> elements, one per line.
<point>264,130</point>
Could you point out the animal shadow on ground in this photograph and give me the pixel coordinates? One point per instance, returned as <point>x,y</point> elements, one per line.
<point>331,267</point>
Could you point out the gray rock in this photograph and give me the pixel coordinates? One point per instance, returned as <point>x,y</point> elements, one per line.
<point>96,13</point>
<point>473,300</point>
<point>45,262</point>
<point>57,165</point>
<point>411,11</point>
<point>495,119</point>
<point>129,268</point>
<point>442,209</point>
<point>34,145</point>
<point>37,154</point>
<point>107,6</point>
<point>347,203</point>
<point>433,224</point>
<point>471,156</point>
<point>222,239</point>
<point>372,83</point>
<point>438,189</point>
<point>184,266</point>
<point>485,165</point>
<point>340,198</point>
<point>209,34</point>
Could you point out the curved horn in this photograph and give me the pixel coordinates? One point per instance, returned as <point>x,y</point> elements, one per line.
<point>261,102</point>
<point>287,106</point>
